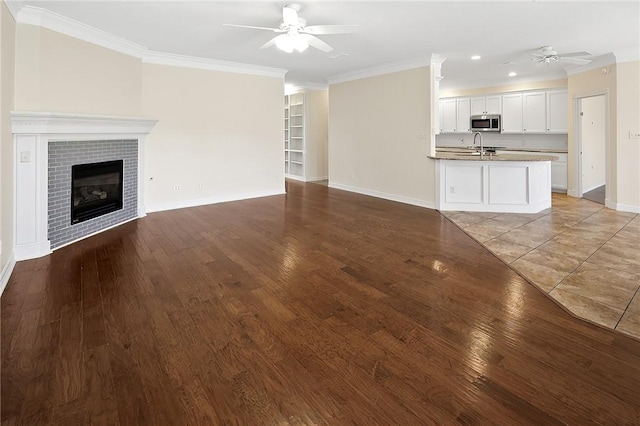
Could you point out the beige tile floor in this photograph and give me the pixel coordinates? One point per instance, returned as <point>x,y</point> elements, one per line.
<point>585,256</point>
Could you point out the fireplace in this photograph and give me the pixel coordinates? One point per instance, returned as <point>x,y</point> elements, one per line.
<point>48,148</point>
<point>96,189</point>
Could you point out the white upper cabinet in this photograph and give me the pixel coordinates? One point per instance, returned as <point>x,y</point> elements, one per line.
<point>512,113</point>
<point>486,105</point>
<point>494,104</point>
<point>448,116</point>
<point>534,112</point>
<point>463,121</point>
<point>557,112</point>
<point>477,106</point>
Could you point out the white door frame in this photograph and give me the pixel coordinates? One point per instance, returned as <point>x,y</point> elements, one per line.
<point>577,131</point>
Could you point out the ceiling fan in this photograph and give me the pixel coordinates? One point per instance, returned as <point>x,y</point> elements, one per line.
<point>296,35</point>
<point>547,55</point>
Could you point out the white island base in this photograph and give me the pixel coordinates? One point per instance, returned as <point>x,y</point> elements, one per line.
<point>493,186</point>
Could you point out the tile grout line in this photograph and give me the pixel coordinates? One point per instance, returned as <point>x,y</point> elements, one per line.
<point>580,264</point>
<point>627,307</point>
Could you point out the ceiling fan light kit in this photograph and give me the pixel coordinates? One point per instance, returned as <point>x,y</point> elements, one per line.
<point>290,42</point>
<point>296,35</point>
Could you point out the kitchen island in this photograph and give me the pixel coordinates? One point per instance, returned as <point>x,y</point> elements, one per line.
<point>502,183</point>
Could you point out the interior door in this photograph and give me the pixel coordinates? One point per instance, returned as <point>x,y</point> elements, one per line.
<point>592,133</point>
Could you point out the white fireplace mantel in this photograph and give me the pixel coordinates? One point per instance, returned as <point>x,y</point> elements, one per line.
<point>32,133</point>
<point>25,122</point>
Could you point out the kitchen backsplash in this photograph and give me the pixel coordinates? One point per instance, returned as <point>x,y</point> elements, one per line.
<point>558,141</point>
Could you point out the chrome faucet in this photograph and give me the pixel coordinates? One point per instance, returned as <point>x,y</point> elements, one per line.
<point>474,142</point>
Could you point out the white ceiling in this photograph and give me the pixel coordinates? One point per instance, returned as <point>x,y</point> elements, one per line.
<point>391,31</point>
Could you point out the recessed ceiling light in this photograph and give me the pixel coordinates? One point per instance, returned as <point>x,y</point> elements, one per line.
<point>475,57</point>
<point>513,74</point>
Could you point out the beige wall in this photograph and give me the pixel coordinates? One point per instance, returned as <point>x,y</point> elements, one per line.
<point>7,77</point>
<point>533,85</point>
<point>584,84</point>
<point>58,73</point>
<point>628,119</point>
<point>219,134</point>
<point>218,129</point>
<point>316,122</point>
<point>375,143</point>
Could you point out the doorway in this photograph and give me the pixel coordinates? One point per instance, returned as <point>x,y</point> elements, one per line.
<point>592,147</point>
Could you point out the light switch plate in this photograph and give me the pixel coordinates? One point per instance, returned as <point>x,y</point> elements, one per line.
<point>25,156</point>
<point>634,135</point>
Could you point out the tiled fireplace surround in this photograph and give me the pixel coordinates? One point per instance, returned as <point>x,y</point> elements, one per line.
<point>46,146</point>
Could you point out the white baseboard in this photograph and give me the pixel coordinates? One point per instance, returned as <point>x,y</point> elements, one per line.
<point>31,251</point>
<point>306,179</point>
<point>294,177</point>
<point>6,273</point>
<point>209,200</point>
<point>622,207</point>
<point>591,188</point>
<point>384,195</point>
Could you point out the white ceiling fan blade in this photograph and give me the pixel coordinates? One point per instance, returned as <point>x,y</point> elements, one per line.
<point>572,54</point>
<point>272,41</point>
<point>575,61</point>
<point>317,43</point>
<point>290,16</point>
<point>331,29</point>
<point>276,30</point>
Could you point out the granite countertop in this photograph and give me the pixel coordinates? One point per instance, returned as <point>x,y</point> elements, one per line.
<point>494,157</point>
<point>465,149</point>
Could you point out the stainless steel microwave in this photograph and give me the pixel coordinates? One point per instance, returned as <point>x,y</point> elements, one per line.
<point>485,123</point>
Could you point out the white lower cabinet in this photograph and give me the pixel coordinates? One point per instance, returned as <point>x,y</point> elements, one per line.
<point>493,186</point>
<point>559,173</point>
<point>558,167</point>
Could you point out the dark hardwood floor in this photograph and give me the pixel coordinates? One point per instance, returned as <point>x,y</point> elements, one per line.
<point>318,307</point>
<point>596,195</point>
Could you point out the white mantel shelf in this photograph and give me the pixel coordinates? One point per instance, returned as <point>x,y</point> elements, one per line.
<point>32,133</point>
<point>27,122</point>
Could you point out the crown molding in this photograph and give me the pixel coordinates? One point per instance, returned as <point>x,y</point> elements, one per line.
<point>309,86</point>
<point>55,22</point>
<point>28,122</point>
<point>627,55</point>
<point>14,7</point>
<point>597,62</point>
<point>423,61</point>
<point>160,58</point>
<point>436,60</point>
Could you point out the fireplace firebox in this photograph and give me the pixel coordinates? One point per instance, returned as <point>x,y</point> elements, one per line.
<point>96,189</point>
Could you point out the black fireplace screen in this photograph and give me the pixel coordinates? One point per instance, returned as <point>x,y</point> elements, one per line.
<point>96,189</point>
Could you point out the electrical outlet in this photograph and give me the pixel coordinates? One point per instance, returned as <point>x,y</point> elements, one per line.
<point>452,189</point>
<point>176,187</point>
<point>201,186</point>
